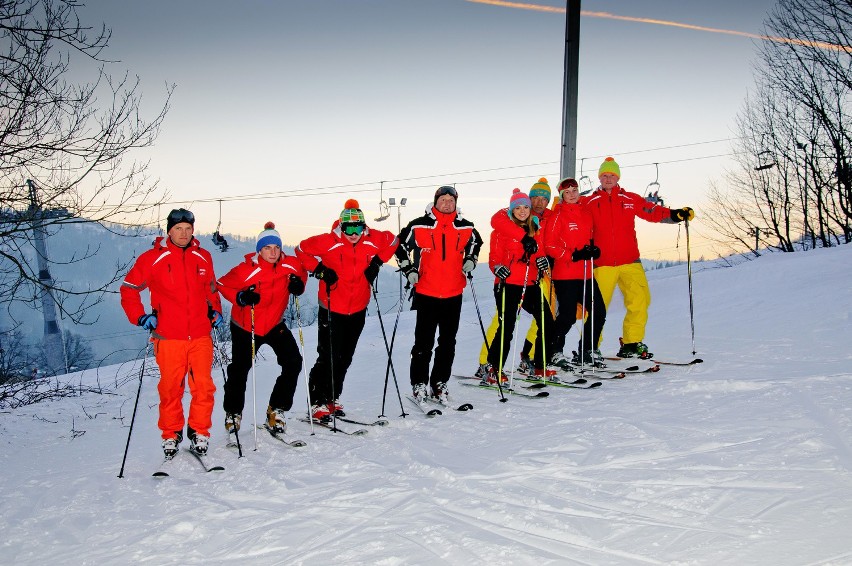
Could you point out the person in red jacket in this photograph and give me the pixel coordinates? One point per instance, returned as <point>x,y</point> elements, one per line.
<point>614,213</point>
<point>436,253</point>
<point>263,285</point>
<point>516,263</point>
<point>184,305</point>
<point>346,261</point>
<point>569,242</point>
<point>539,198</point>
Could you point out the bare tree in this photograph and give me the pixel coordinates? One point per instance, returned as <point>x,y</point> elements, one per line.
<point>72,139</point>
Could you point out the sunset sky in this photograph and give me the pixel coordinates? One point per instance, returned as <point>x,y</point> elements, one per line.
<point>305,103</point>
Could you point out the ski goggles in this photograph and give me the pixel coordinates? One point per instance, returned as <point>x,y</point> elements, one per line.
<point>446,190</point>
<point>179,215</point>
<point>352,229</point>
<point>568,183</point>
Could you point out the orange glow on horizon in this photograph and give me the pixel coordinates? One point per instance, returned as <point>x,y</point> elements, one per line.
<point>607,15</point>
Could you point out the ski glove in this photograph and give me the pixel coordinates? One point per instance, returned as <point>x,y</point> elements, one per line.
<point>589,251</point>
<point>372,270</point>
<point>529,244</point>
<point>681,214</point>
<point>409,271</point>
<point>542,263</point>
<point>296,286</point>
<point>147,321</point>
<point>326,274</point>
<point>216,318</point>
<point>248,297</point>
<point>502,272</point>
<point>469,264</point>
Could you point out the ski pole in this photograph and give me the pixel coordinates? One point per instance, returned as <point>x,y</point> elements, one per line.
<point>541,328</point>
<point>517,320</point>
<point>388,348</point>
<point>218,342</point>
<point>502,336</point>
<point>482,327</point>
<point>135,404</point>
<point>584,340</point>
<point>330,361</point>
<point>304,365</point>
<point>689,278</point>
<point>253,376</point>
<point>592,291</point>
<point>388,368</point>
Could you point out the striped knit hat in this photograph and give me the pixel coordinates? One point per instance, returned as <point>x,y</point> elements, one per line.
<point>518,199</point>
<point>269,236</point>
<point>609,166</point>
<point>541,189</point>
<point>352,213</point>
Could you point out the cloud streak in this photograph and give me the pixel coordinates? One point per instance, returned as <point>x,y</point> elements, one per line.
<point>607,15</point>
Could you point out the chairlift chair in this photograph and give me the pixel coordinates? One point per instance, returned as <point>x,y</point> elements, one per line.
<point>584,177</point>
<point>217,238</point>
<point>653,189</point>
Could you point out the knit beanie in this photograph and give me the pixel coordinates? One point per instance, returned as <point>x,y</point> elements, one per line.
<point>566,183</point>
<point>269,236</point>
<point>518,199</point>
<point>177,216</point>
<point>352,213</point>
<point>609,166</point>
<point>541,189</point>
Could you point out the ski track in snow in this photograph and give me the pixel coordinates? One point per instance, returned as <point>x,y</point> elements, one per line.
<point>743,459</point>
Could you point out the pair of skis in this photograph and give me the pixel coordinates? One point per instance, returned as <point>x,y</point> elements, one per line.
<point>163,470</point>
<point>436,412</point>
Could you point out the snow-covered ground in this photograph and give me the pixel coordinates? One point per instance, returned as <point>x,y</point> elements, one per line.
<point>744,459</point>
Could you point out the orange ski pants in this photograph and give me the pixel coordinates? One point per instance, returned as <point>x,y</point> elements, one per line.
<point>180,360</point>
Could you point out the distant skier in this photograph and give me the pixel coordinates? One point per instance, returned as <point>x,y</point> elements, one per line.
<point>614,213</point>
<point>264,283</point>
<point>185,304</point>
<point>346,261</point>
<point>436,253</point>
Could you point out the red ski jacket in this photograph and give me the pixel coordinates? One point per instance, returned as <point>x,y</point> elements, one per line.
<point>440,243</point>
<point>351,293</point>
<point>270,281</point>
<point>507,250</point>
<point>569,229</point>
<point>182,286</point>
<point>614,223</point>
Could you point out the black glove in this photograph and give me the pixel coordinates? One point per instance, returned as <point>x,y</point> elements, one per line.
<point>248,298</point>
<point>502,272</point>
<point>530,245</point>
<point>216,318</point>
<point>542,263</point>
<point>583,254</point>
<point>147,321</point>
<point>593,251</point>
<point>296,286</point>
<point>372,270</point>
<point>326,274</point>
<point>681,214</point>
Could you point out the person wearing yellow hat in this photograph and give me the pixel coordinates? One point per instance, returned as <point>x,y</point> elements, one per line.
<point>614,212</point>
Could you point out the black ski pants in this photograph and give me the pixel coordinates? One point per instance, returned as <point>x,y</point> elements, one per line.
<point>344,331</point>
<point>434,315</point>
<point>532,304</point>
<point>281,340</point>
<point>569,293</point>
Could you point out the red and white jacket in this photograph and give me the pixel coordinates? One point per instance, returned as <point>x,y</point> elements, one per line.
<point>351,293</point>
<point>270,281</point>
<point>569,229</point>
<point>439,243</point>
<point>182,286</point>
<point>614,223</point>
<point>506,249</point>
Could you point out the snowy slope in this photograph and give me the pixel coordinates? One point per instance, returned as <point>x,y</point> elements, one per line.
<point>744,459</point>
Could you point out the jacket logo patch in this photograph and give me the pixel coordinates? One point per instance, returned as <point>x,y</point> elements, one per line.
<point>202,272</point>
<point>628,205</point>
<point>573,226</point>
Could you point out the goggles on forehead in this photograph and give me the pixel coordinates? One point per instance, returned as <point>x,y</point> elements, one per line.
<point>181,215</point>
<point>351,229</point>
<point>446,190</point>
<point>567,184</point>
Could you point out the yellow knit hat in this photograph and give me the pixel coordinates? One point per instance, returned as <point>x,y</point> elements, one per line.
<point>609,166</point>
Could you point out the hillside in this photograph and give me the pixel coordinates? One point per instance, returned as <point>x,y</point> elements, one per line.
<point>743,459</point>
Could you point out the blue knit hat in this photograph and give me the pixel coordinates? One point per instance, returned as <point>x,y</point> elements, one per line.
<point>269,237</point>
